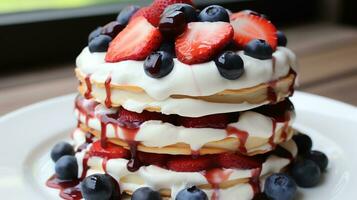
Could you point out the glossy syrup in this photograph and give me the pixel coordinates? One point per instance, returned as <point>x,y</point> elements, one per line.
<point>88,93</point>
<point>108,98</point>
<point>215,177</point>
<point>242,137</point>
<point>69,190</point>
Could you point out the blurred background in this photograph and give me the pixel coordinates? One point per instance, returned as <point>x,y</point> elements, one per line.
<point>40,39</point>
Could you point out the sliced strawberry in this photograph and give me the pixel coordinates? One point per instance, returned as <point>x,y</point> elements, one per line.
<point>152,15</point>
<point>111,151</point>
<point>190,164</point>
<point>135,42</point>
<point>134,118</point>
<point>232,160</point>
<point>210,121</point>
<point>249,26</point>
<point>153,159</point>
<point>202,40</point>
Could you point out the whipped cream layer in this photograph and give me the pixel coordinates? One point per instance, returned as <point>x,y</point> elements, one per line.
<point>191,80</point>
<point>159,178</point>
<point>261,131</point>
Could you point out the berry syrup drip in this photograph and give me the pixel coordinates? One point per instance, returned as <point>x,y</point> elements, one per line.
<point>85,165</point>
<point>273,62</point>
<point>89,140</point>
<point>85,107</point>
<point>255,180</point>
<point>271,93</point>
<point>104,164</point>
<point>241,135</point>
<point>215,177</point>
<point>134,163</point>
<point>291,87</point>
<point>88,93</point>
<point>108,99</point>
<point>69,190</point>
<point>272,137</point>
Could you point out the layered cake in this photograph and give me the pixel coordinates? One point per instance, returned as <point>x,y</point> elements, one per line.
<point>178,103</point>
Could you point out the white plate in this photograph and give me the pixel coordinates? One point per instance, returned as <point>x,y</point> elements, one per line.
<point>28,134</point>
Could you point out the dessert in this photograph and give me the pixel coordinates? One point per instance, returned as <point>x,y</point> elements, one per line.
<point>179,104</point>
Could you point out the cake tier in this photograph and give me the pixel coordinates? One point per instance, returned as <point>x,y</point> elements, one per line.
<point>189,90</point>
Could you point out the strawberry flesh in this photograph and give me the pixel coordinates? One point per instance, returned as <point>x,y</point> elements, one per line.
<point>191,164</point>
<point>219,121</point>
<point>110,151</point>
<point>234,160</point>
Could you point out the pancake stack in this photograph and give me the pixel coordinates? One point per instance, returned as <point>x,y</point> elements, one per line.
<point>189,125</point>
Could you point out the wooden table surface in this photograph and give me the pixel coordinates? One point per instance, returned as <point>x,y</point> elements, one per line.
<point>327,58</point>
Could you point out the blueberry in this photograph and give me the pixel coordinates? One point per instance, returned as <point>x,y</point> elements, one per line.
<point>112,29</point>
<point>99,187</point>
<point>172,23</point>
<point>230,65</point>
<point>189,11</point>
<point>304,143</point>
<point>319,158</point>
<point>158,64</point>
<point>306,173</point>
<point>280,187</point>
<point>192,193</point>
<point>125,14</point>
<point>100,44</point>
<point>169,47</point>
<point>259,49</point>
<point>61,149</point>
<point>95,33</point>
<point>67,168</point>
<point>146,193</point>
<point>282,40</point>
<point>214,13</point>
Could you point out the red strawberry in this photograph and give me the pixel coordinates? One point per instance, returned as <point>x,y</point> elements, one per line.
<point>153,159</point>
<point>190,164</point>
<point>135,42</point>
<point>231,160</point>
<point>162,4</point>
<point>111,151</point>
<point>202,40</point>
<point>152,15</point>
<point>128,117</point>
<point>249,26</point>
<point>209,121</point>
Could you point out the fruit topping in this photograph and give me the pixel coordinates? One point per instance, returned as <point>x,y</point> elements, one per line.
<point>191,193</point>
<point>280,187</point>
<point>234,160</point>
<point>202,40</point>
<point>230,65</point>
<point>219,121</point>
<point>135,42</point>
<point>248,27</point>
<point>158,64</point>
<point>306,173</point>
<point>319,158</point>
<point>214,13</point>
<point>146,193</point>
<point>188,10</point>
<point>95,33</point>
<point>190,164</point>
<point>172,23</point>
<point>110,151</point>
<point>153,159</point>
<point>67,168</point>
<point>258,49</point>
<point>99,43</point>
<point>99,186</point>
<point>125,14</point>
<point>61,149</point>
<point>304,143</point>
<point>112,29</point>
<point>134,119</point>
<point>282,40</point>
<point>246,12</point>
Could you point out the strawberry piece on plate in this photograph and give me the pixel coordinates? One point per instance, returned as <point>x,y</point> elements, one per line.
<point>110,151</point>
<point>249,26</point>
<point>210,121</point>
<point>232,160</point>
<point>202,40</point>
<point>135,42</point>
<point>190,164</point>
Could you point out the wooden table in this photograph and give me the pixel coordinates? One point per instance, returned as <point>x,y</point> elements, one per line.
<point>327,56</point>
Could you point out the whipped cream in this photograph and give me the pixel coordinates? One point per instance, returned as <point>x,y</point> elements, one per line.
<point>192,80</point>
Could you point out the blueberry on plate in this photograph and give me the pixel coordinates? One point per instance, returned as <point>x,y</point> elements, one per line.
<point>214,13</point>
<point>95,33</point>
<point>61,149</point>
<point>127,12</point>
<point>230,65</point>
<point>172,23</point>
<point>306,173</point>
<point>99,187</point>
<point>282,40</point>
<point>319,158</point>
<point>188,10</point>
<point>146,193</point>
<point>258,49</point>
<point>191,193</point>
<point>304,143</point>
<point>100,44</point>
<point>280,187</point>
<point>67,168</point>
<point>112,29</point>
<point>158,64</point>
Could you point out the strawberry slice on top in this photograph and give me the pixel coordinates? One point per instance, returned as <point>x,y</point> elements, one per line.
<point>202,40</point>
<point>135,42</point>
<point>248,26</point>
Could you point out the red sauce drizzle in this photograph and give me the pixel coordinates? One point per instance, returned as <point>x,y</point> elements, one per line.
<point>69,190</point>
<point>85,165</point>
<point>215,177</point>
<point>108,100</point>
<point>88,93</point>
<point>272,137</point>
<point>255,180</point>
<point>241,135</point>
<point>291,87</point>
<point>104,164</point>
<point>272,96</point>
